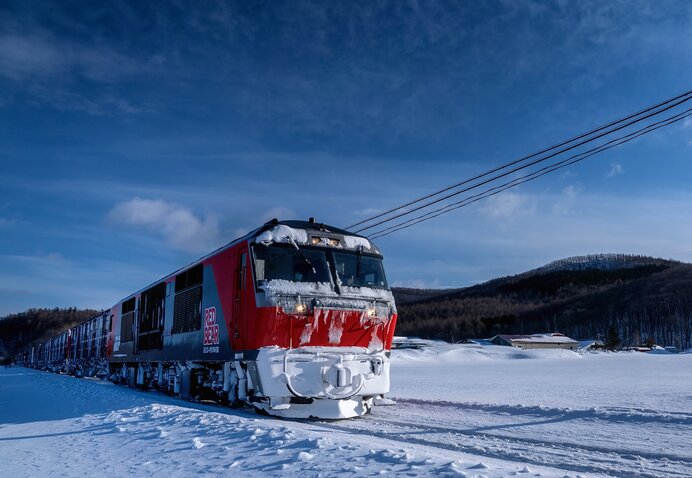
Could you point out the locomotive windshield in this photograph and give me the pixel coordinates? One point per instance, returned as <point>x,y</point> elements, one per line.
<point>291,264</point>
<point>358,270</point>
<point>286,262</point>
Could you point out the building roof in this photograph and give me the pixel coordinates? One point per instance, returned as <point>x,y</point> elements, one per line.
<point>554,338</point>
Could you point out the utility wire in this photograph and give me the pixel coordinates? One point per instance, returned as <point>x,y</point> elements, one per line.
<point>565,162</point>
<point>531,176</point>
<point>636,117</point>
<point>497,189</point>
<point>518,168</point>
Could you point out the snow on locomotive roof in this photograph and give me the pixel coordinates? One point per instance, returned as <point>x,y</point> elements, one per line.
<point>282,233</point>
<point>296,232</point>
<point>354,242</point>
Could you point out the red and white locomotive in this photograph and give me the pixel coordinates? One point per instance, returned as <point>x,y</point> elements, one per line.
<point>295,318</point>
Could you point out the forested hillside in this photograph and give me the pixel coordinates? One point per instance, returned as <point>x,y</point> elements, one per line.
<point>646,299</point>
<point>35,325</point>
<point>405,295</point>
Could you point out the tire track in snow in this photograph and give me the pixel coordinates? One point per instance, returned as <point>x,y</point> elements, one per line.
<point>614,414</point>
<point>406,424</point>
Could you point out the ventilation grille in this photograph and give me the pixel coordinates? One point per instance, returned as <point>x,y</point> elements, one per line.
<point>126,328</point>
<point>187,315</point>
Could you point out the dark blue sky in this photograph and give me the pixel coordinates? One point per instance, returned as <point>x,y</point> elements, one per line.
<point>136,136</point>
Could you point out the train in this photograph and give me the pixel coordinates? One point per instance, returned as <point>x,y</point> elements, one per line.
<point>295,319</point>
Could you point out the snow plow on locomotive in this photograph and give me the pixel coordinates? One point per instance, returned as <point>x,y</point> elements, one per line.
<point>295,318</point>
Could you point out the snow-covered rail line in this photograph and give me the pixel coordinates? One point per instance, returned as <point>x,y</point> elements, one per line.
<point>433,426</point>
<point>614,414</point>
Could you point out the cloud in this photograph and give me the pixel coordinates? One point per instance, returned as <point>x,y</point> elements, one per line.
<point>570,192</point>
<point>21,57</point>
<point>94,105</point>
<point>39,55</point>
<point>507,205</point>
<point>368,211</point>
<point>42,260</point>
<point>616,169</point>
<point>417,284</point>
<point>51,280</point>
<point>564,203</point>
<point>54,71</point>
<point>4,222</point>
<point>279,212</point>
<point>687,125</point>
<point>178,225</point>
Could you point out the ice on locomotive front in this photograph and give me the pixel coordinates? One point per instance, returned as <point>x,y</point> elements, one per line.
<point>332,319</point>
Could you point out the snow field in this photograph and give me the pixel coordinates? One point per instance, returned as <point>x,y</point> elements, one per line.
<point>463,411</point>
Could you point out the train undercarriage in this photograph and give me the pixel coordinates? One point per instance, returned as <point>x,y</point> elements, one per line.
<point>297,383</point>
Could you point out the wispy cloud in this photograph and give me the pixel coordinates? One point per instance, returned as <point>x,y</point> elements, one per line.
<point>507,205</point>
<point>368,211</point>
<point>40,260</point>
<point>51,280</point>
<point>418,284</point>
<point>687,125</point>
<point>4,222</point>
<point>564,203</point>
<point>177,225</point>
<point>616,169</point>
<point>52,70</point>
<point>40,55</point>
<point>279,212</point>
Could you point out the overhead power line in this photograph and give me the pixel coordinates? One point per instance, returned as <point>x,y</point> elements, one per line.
<point>531,176</point>
<point>490,177</point>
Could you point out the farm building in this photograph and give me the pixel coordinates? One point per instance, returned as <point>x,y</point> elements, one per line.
<point>536,341</point>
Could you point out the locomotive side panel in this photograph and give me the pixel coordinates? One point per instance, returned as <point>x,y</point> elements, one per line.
<point>193,319</point>
<point>123,325</point>
<point>205,335</point>
<point>226,299</point>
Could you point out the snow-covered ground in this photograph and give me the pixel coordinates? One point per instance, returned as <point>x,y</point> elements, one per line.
<point>462,410</point>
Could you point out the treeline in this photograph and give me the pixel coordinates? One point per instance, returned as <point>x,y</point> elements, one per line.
<point>17,331</point>
<point>404,295</point>
<point>645,303</point>
<point>602,262</point>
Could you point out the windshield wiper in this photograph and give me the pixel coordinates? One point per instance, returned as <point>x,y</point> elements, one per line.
<point>302,256</point>
<point>360,254</point>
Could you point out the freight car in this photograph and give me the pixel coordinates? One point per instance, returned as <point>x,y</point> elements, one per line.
<point>295,319</point>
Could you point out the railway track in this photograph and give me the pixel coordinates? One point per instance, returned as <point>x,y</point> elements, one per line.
<point>537,436</point>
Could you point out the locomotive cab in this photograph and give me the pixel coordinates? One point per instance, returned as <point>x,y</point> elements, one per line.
<point>326,321</point>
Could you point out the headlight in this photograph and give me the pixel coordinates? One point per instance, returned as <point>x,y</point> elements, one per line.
<point>325,241</point>
<point>371,312</point>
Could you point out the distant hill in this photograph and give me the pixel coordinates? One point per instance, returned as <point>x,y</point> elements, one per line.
<point>603,262</point>
<point>645,298</point>
<point>36,325</point>
<point>405,295</point>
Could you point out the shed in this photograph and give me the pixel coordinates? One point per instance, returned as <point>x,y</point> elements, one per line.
<point>537,341</point>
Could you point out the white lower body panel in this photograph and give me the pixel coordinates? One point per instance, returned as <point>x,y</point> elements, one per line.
<point>320,382</point>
